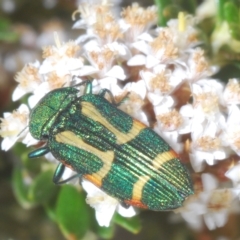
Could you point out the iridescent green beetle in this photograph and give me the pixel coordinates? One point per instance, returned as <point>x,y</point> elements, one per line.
<point>106,146</point>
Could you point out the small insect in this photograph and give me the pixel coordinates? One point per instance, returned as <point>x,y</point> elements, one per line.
<point>106,146</point>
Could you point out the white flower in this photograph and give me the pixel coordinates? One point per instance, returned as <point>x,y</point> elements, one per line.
<point>137,20</point>
<point>161,81</point>
<point>206,100</point>
<point>231,92</point>
<point>134,94</point>
<point>160,50</point>
<point>14,126</point>
<point>102,60</point>
<point>169,119</point>
<point>184,32</point>
<point>197,66</point>
<point>28,78</point>
<point>206,145</point>
<point>88,15</point>
<point>61,59</point>
<point>170,124</point>
<point>212,205</point>
<point>104,205</point>
<point>231,134</point>
<point>89,11</point>
<point>100,24</point>
<point>234,174</point>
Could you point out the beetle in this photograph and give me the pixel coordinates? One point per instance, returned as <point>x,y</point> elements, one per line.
<point>118,154</point>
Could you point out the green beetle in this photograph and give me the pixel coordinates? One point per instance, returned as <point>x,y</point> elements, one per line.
<point>106,146</point>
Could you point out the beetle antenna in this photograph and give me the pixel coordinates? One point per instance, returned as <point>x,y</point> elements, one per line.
<point>22,131</point>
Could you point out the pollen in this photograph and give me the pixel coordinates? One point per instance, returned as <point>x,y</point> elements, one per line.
<point>47,51</point>
<point>208,101</point>
<point>71,49</point>
<point>88,10</point>
<point>132,104</point>
<point>164,42</point>
<point>102,57</point>
<point>68,49</point>
<point>136,15</point>
<point>233,90</point>
<point>219,200</point>
<point>56,81</point>
<point>107,29</point>
<point>28,75</point>
<point>200,61</point>
<point>207,143</point>
<point>160,81</point>
<point>171,120</point>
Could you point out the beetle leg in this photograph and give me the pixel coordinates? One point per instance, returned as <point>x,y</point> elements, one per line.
<point>125,205</point>
<point>59,172</point>
<point>39,152</point>
<point>88,87</point>
<point>123,99</point>
<point>105,91</point>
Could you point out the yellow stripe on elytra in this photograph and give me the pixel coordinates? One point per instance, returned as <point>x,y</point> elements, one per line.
<point>68,137</point>
<point>91,111</point>
<point>161,158</point>
<point>138,187</point>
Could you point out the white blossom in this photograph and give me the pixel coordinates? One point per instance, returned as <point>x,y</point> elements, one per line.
<point>104,205</point>
<point>211,206</point>
<point>14,126</point>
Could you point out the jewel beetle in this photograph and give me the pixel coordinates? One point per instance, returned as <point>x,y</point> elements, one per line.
<point>106,146</point>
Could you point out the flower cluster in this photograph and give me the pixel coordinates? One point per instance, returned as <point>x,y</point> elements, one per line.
<point>170,89</point>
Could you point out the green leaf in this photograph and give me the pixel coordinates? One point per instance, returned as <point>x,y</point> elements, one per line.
<point>188,5</point>
<point>72,212</point>
<point>6,33</point>
<point>42,188</point>
<point>231,13</point>
<point>133,224</point>
<point>234,31</point>
<point>161,4</point>
<point>20,189</point>
<point>50,210</point>
<point>171,11</point>
<point>106,232</point>
<point>220,9</point>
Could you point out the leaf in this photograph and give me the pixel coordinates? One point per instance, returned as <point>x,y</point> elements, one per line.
<point>132,224</point>
<point>231,13</point>
<point>72,213</point>
<point>42,188</point>
<point>6,33</point>
<point>106,232</point>
<point>20,189</point>
<point>161,4</point>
